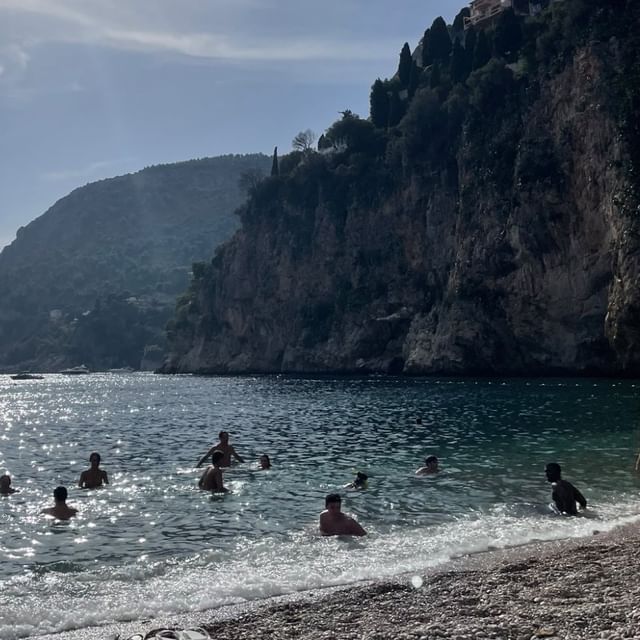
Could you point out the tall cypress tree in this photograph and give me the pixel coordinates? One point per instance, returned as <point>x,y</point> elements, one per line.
<point>426,38</point>
<point>470,38</point>
<point>458,23</point>
<point>414,79</point>
<point>404,68</point>
<point>379,104</point>
<point>275,170</point>
<point>439,41</point>
<point>435,79</point>
<point>460,68</point>
<point>482,51</point>
<point>396,108</point>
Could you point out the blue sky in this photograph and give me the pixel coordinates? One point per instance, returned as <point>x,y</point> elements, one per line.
<point>91,89</point>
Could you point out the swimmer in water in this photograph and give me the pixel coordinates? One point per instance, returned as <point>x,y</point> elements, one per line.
<point>211,479</point>
<point>5,486</point>
<point>226,449</point>
<point>430,467</point>
<point>359,482</point>
<point>93,477</point>
<point>564,494</point>
<point>60,510</point>
<point>335,523</point>
<point>265,462</point>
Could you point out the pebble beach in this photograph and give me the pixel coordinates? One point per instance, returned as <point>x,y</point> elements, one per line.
<point>572,589</point>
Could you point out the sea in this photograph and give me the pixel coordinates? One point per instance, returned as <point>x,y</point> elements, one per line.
<point>151,544</point>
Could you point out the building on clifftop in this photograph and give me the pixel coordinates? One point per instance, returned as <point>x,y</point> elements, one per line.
<point>484,12</point>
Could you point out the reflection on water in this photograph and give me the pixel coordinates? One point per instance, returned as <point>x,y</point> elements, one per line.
<point>148,542</point>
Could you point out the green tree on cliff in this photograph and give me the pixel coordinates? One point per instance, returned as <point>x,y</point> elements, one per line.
<point>482,51</point>
<point>275,171</point>
<point>460,68</point>
<point>379,104</point>
<point>404,68</point>
<point>439,42</point>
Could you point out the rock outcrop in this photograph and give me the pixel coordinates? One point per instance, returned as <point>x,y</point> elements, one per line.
<point>516,253</point>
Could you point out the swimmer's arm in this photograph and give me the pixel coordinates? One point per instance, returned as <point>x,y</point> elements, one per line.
<point>105,478</point>
<point>235,455</point>
<point>82,480</point>
<point>580,499</point>
<point>355,529</point>
<point>205,456</point>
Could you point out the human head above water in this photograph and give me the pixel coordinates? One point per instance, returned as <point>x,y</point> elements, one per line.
<point>60,494</point>
<point>431,461</point>
<point>361,478</point>
<point>265,462</point>
<point>217,456</point>
<point>333,499</point>
<point>223,436</point>
<point>5,483</point>
<point>95,458</point>
<point>553,471</point>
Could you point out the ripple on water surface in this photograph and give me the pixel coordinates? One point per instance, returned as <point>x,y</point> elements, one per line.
<point>148,542</point>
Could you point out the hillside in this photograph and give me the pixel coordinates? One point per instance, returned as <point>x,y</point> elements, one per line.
<point>95,278</point>
<point>483,220</point>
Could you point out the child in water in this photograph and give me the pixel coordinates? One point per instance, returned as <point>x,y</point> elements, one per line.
<point>360,482</point>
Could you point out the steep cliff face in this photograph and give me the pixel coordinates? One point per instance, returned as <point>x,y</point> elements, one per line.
<point>517,254</point>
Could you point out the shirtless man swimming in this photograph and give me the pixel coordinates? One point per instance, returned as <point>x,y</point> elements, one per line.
<point>211,479</point>
<point>60,511</point>
<point>564,494</point>
<point>226,449</point>
<point>93,477</point>
<point>335,523</point>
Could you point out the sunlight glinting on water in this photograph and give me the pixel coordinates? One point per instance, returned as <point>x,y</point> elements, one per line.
<point>146,544</point>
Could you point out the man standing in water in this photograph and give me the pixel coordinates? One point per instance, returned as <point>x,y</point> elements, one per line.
<point>211,479</point>
<point>60,510</point>
<point>226,449</point>
<point>564,494</point>
<point>335,523</point>
<point>93,477</point>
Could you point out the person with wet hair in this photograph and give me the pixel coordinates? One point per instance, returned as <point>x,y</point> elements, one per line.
<point>226,448</point>
<point>335,523</point>
<point>93,477</point>
<point>5,485</point>
<point>359,482</point>
<point>60,510</point>
<point>265,461</point>
<point>430,467</point>
<point>563,493</point>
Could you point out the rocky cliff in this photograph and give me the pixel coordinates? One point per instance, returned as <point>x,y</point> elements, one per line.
<point>494,230</point>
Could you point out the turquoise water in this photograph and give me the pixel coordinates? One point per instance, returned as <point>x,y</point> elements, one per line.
<point>152,544</point>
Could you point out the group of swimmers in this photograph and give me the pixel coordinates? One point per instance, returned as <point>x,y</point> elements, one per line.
<point>332,520</point>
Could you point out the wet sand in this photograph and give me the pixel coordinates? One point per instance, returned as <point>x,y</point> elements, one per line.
<point>574,589</point>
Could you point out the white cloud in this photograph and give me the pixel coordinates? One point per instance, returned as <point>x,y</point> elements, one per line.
<point>235,33</point>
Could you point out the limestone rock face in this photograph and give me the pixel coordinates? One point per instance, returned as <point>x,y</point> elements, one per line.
<point>477,274</point>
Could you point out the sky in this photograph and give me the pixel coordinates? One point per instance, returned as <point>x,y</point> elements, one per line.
<point>91,89</point>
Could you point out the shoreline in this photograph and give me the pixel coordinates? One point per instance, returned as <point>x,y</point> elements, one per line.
<point>571,588</point>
